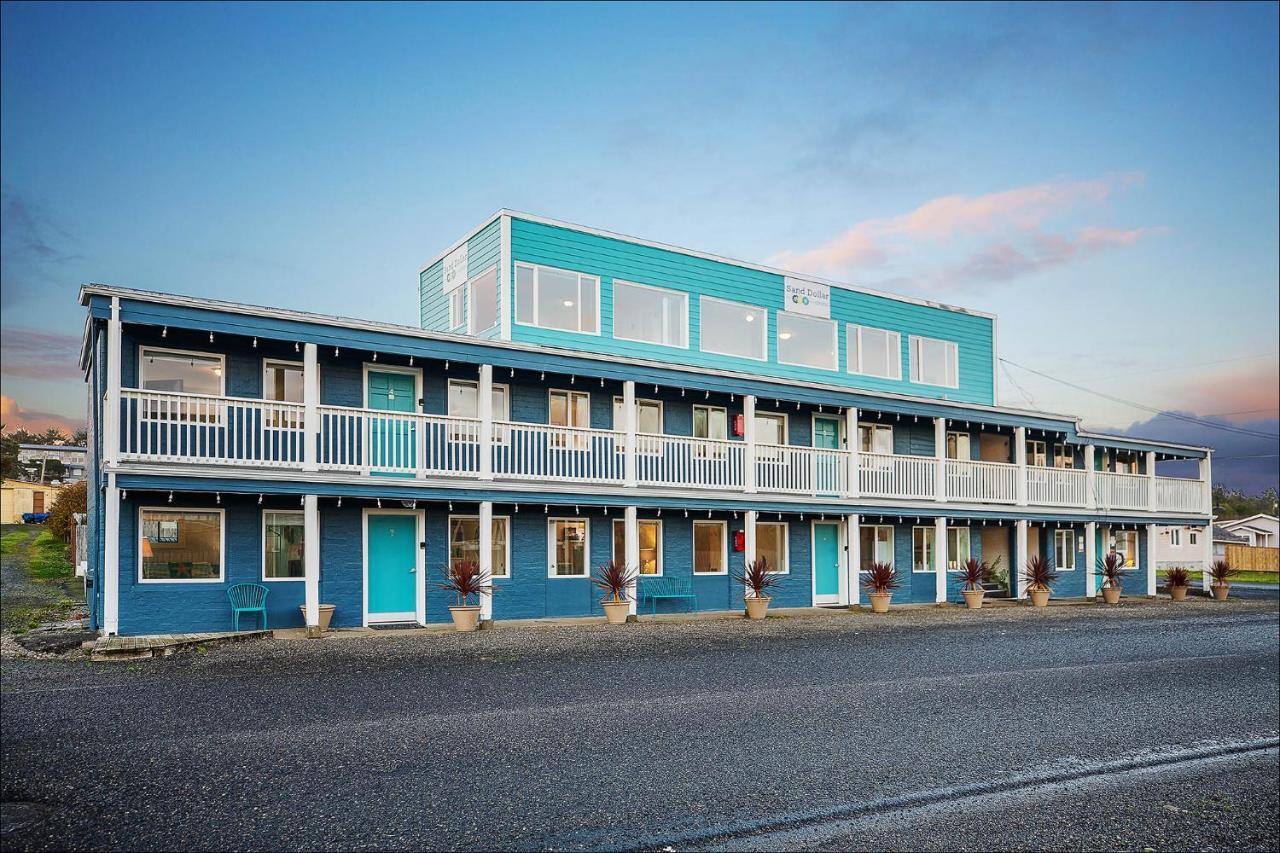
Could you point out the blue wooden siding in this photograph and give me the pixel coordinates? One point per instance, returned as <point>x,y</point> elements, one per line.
<point>609,258</point>
<point>484,249</point>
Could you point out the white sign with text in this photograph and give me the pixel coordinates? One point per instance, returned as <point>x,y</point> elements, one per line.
<point>806,297</point>
<point>455,268</point>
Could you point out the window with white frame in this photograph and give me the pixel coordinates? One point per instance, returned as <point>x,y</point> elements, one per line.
<point>922,548</point>
<point>875,545</point>
<point>1175,536</point>
<point>282,382</point>
<point>1193,537</point>
<point>934,362</point>
<point>710,548</point>
<point>875,438</point>
<point>484,301</point>
<point>457,307</point>
<point>569,409</point>
<point>1064,550</point>
<point>648,423</point>
<point>650,545</point>
<point>771,429</point>
<point>464,402</point>
<point>711,422</point>
<point>180,545</point>
<point>568,543</point>
<point>283,535</point>
<point>1037,453</point>
<point>557,299</point>
<point>464,542</point>
<point>807,341</point>
<point>958,547</point>
<point>1064,456</point>
<point>181,372</point>
<point>732,328</point>
<point>648,314</point>
<point>874,352</point>
<point>1126,545</point>
<point>771,543</point>
<point>1126,462</point>
<point>958,445</point>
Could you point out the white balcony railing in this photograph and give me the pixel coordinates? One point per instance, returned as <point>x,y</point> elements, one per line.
<point>175,428</point>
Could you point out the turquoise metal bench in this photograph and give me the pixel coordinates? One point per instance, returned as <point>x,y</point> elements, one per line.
<point>672,588</point>
<point>248,598</point>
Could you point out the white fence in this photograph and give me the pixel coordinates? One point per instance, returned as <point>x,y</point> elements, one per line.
<point>887,475</point>
<point>991,482</point>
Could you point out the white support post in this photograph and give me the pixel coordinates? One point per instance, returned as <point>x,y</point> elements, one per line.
<point>940,559</point>
<point>111,408</point>
<point>486,556</point>
<point>311,560</point>
<point>1149,561</point>
<point>749,537</point>
<point>485,406</point>
<point>310,411</point>
<point>1020,456</point>
<point>854,446</point>
<point>1207,560</point>
<point>1090,559</point>
<point>749,465</point>
<point>940,460</point>
<point>111,558</point>
<point>1206,481</point>
<point>853,550</point>
<point>1090,477</point>
<point>1020,561</point>
<point>631,550</point>
<point>629,424</point>
<point>1151,482</point>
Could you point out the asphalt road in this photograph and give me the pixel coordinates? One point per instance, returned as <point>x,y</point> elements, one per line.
<point>1148,725</point>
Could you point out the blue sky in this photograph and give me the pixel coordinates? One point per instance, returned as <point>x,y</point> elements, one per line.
<point>1102,177</point>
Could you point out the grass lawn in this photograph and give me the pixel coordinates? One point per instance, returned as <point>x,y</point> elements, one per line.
<point>37,580</point>
<point>1240,577</point>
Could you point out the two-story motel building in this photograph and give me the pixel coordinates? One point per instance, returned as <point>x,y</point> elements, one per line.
<point>574,395</point>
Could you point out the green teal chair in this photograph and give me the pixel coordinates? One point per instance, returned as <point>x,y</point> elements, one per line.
<point>248,598</point>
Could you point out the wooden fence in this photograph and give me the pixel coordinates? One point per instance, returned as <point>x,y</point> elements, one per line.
<point>1251,558</point>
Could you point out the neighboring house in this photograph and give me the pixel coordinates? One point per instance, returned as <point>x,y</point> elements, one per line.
<point>575,396</point>
<point>34,458</point>
<point>19,496</point>
<point>1181,545</point>
<point>1260,530</point>
<point>1222,538</point>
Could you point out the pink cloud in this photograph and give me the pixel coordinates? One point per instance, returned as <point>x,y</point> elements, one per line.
<point>16,417</point>
<point>1006,261</point>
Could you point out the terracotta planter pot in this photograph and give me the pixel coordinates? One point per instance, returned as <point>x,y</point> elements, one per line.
<point>465,619</point>
<point>615,612</point>
<point>1178,593</point>
<point>880,601</point>
<point>1220,591</point>
<point>1039,597</point>
<point>757,607</point>
<point>973,598</point>
<point>326,615</point>
<point>1111,594</point>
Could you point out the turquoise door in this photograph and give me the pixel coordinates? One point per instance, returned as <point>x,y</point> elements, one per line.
<point>393,442</point>
<point>826,436</point>
<point>826,563</point>
<point>393,559</point>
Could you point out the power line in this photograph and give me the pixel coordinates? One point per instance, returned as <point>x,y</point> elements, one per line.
<point>1174,415</point>
<point>1021,390</point>
<point>1190,366</point>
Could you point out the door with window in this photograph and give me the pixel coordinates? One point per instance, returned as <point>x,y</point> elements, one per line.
<point>826,436</point>
<point>393,441</point>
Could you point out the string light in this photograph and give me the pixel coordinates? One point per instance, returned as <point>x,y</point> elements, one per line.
<point>164,333</point>
<point>211,337</point>
<point>255,343</point>
<point>217,496</point>
<point>171,497</point>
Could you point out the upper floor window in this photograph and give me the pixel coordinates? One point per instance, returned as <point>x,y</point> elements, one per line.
<point>874,352</point>
<point>958,445</point>
<point>569,409</point>
<point>710,422</point>
<point>1064,456</point>
<point>1126,462</point>
<point>181,372</point>
<point>1037,453</point>
<point>807,341</point>
<point>484,301</point>
<point>731,328</point>
<point>648,416</point>
<point>934,362</point>
<point>282,381</point>
<point>771,428</point>
<point>650,314</point>
<point>457,303</point>
<point>464,400</point>
<point>875,438</point>
<point>557,299</point>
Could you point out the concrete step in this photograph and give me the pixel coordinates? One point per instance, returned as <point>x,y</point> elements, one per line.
<point>163,645</point>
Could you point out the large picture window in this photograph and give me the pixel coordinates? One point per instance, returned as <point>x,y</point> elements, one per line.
<point>180,372</point>
<point>710,548</point>
<point>874,352</point>
<point>568,543</point>
<point>731,328</point>
<point>650,545</point>
<point>484,301</point>
<point>934,362</point>
<point>557,299</point>
<point>807,341</point>
<point>183,545</point>
<point>282,546</point>
<point>771,543</point>
<point>875,545</point>
<point>650,314</point>
<point>464,542</point>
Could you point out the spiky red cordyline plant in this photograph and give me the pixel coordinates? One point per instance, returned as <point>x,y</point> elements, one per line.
<point>464,579</point>
<point>615,579</point>
<point>758,577</point>
<point>1221,572</point>
<point>1039,573</point>
<point>1177,576</point>
<point>1111,570</point>
<point>882,578</point>
<point>975,573</point>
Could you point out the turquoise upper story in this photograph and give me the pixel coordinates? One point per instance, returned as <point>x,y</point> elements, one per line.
<point>527,279</point>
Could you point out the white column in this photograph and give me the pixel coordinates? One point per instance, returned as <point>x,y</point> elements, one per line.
<point>1206,480</point>
<point>111,407</point>
<point>486,555</point>
<point>485,407</point>
<point>749,529</point>
<point>854,446</point>
<point>1020,561</point>
<point>506,304</point>
<point>111,558</point>
<point>310,411</point>
<point>1020,456</point>
<point>1151,482</point>
<point>311,558</point>
<point>629,425</point>
<point>1090,478</point>
<point>749,452</point>
<point>631,550</point>
<point>940,559</point>
<point>1207,560</point>
<point>1090,559</point>
<point>1150,562</point>
<point>940,460</point>
<point>853,550</point>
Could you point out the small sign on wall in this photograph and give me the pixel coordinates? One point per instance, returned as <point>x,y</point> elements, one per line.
<point>806,297</point>
<point>455,268</point>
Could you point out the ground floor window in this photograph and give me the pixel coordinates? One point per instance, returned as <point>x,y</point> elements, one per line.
<point>958,550</point>
<point>1064,550</point>
<point>922,547</point>
<point>1193,538</point>
<point>1175,536</point>
<point>771,543</point>
<point>650,545</point>
<point>180,544</point>
<point>876,545</point>
<point>464,542</point>
<point>568,542</point>
<point>710,548</point>
<point>1127,546</point>
<point>282,545</point>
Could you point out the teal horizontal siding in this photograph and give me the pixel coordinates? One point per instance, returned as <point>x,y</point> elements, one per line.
<point>483,251</point>
<point>610,258</point>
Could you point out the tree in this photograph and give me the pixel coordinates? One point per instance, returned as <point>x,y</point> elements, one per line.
<point>71,499</point>
<point>1232,503</point>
